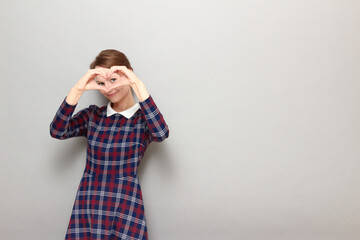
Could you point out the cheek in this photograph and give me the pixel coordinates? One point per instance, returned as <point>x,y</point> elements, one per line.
<point>118,89</point>
<point>122,90</point>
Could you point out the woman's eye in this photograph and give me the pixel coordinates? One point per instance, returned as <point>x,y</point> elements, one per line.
<point>113,79</point>
<point>100,83</point>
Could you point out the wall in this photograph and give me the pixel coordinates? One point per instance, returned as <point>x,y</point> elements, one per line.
<point>261,99</point>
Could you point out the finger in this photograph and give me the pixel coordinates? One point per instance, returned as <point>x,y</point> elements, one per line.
<point>102,74</point>
<point>95,82</point>
<point>116,76</point>
<point>98,87</point>
<point>111,71</point>
<point>95,73</point>
<point>122,69</point>
<point>122,81</point>
<point>89,86</point>
<point>98,71</point>
<point>118,85</point>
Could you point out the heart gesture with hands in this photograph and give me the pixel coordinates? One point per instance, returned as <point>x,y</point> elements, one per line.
<point>114,90</point>
<point>87,83</point>
<point>124,71</point>
<point>126,78</point>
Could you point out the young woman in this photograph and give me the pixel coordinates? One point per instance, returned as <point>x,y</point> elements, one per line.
<point>108,203</point>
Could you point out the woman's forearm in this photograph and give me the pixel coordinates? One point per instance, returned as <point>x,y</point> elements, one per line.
<point>74,96</point>
<point>141,91</point>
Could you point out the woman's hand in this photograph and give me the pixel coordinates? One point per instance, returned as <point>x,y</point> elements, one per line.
<point>129,78</point>
<point>87,82</point>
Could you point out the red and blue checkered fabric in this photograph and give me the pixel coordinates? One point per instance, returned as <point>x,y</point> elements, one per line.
<point>108,203</point>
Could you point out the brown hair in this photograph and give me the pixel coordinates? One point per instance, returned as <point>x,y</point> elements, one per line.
<point>110,57</point>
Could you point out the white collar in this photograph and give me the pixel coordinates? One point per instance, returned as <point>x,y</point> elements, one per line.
<point>128,113</point>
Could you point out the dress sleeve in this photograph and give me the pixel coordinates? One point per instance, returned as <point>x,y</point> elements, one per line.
<point>64,126</point>
<point>157,128</point>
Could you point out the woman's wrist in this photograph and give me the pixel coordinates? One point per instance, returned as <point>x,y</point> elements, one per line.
<point>74,96</point>
<point>142,91</point>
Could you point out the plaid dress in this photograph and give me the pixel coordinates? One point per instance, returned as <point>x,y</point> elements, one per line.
<point>108,203</point>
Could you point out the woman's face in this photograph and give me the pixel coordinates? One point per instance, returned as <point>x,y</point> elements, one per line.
<point>117,93</point>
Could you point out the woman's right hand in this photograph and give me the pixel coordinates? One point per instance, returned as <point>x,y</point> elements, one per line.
<point>87,82</point>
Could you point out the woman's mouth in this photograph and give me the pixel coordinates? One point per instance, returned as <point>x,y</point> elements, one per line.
<point>111,95</point>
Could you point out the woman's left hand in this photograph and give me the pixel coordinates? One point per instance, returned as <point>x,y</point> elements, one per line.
<point>129,79</point>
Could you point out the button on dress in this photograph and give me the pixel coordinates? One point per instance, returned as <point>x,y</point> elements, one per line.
<point>108,203</point>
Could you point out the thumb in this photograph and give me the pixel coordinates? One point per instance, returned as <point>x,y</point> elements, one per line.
<point>108,89</point>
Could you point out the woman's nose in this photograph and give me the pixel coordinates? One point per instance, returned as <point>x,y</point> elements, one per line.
<point>108,86</point>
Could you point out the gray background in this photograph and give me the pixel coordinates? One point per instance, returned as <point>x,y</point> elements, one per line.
<point>261,99</point>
